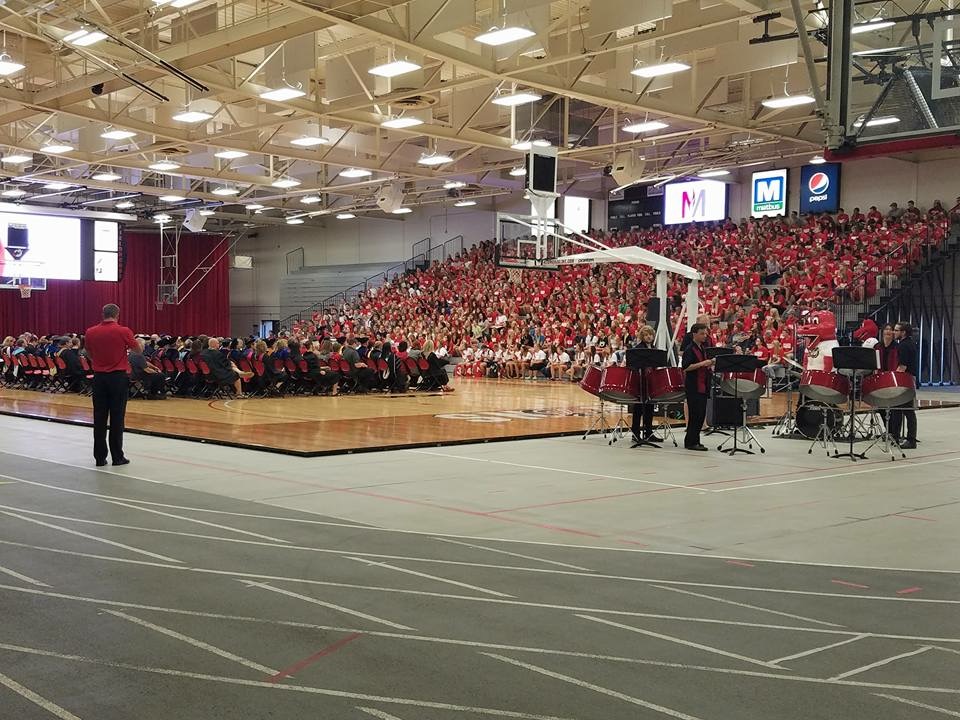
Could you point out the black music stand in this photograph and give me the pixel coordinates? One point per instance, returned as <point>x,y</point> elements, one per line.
<point>856,359</point>
<point>711,353</point>
<point>644,359</point>
<point>735,364</point>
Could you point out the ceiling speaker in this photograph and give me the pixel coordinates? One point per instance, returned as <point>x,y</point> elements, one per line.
<point>194,221</point>
<point>627,168</point>
<point>390,197</point>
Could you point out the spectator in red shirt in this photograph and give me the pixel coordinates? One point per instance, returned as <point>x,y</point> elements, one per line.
<point>107,345</point>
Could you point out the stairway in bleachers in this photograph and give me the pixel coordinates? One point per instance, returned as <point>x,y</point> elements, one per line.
<point>302,288</point>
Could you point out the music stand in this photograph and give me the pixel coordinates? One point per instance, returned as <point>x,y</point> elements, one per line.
<point>643,359</point>
<point>855,359</point>
<point>736,364</point>
<point>711,353</point>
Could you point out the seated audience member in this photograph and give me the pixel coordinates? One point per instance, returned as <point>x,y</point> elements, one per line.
<point>362,375</point>
<point>142,371</point>
<point>222,369</point>
<point>324,378</point>
<point>73,374</point>
<point>435,376</point>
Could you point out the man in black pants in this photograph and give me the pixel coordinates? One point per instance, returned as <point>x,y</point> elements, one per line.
<point>107,345</point>
<point>696,368</point>
<point>907,362</point>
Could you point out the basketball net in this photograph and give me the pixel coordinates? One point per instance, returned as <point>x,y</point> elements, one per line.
<point>515,275</point>
<point>25,291</point>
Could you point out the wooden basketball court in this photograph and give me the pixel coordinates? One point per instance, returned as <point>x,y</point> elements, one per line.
<point>480,410</point>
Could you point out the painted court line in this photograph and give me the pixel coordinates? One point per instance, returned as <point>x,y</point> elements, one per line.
<point>308,661</point>
<point>331,606</point>
<point>915,703</point>
<point>21,576</point>
<point>262,669</point>
<point>748,606</point>
<point>679,641</point>
<point>197,522</point>
<point>379,714</point>
<point>909,590</point>
<point>881,663</point>
<point>542,543</point>
<point>856,586</point>
<point>558,470</point>
<point>814,651</point>
<point>513,554</point>
<point>129,548</point>
<point>430,577</point>
<point>595,688</point>
<point>280,687</point>
<point>37,700</point>
<point>517,648</point>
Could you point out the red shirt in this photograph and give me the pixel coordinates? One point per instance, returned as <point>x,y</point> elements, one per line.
<point>107,345</point>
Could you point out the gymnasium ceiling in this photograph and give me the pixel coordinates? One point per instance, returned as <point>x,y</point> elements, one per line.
<point>219,57</point>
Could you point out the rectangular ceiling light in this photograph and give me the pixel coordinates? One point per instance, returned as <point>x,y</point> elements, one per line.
<point>713,173</point>
<point>401,122</point>
<point>309,141</point>
<point>504,35</point>
<point>437,159</point>
<point>163,165</point>
<point>345,216</point>
<point>8,66</point>
<point>225,191</point>
<point>117,134</point>
<point>285,183</point>
<point>172,198</point>
<point>310,199</point>
<point>230,154</point>
<point>255,206</point>
<point>125,205</point>
<point>14,192</point>
<point>84,37</point>
<point>516,98</point>
<point>392,69</point>
<point>281,94</point>
<point>787,101</point>
<point>106,177</point>
<point>642,127</point>
<point>192,116</point>
<point>465,203</point>
<point>57,186</point>
<point>56,148</point>
<point>355,173</point>
<point>454,184</point>
<point>871,25</point>
<point>652,71</point>
<point>16,159</point>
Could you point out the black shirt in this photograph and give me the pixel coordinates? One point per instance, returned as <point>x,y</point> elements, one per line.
<point>907,356</point>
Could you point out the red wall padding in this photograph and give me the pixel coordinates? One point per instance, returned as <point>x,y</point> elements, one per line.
<point>72,306</point>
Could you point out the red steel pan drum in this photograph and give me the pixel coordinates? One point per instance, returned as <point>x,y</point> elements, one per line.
<point>888,389</point>
<point>666,385</point>
<point>620,385</point>
<point>591,380</point>
<point>825,387</point>
<point>748,385</point>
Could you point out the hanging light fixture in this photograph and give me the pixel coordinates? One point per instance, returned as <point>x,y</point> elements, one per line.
<point>286,91</point>
<point>8,66</point>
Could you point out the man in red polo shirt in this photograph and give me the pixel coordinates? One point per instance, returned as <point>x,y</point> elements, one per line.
<point>107,345</point>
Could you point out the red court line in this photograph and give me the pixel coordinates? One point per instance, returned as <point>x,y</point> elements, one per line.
<point>909,590</point>
<point>298,666</point>
<point>581,500</point>
<point>850,584</point>
<point>740,563</point>
<point>913,517</point>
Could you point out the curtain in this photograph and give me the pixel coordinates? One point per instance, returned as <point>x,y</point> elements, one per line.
<point>68,306</point>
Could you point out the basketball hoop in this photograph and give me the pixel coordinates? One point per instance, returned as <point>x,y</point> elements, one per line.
<point>25,291</point>
<point>159,305</point>
<point>515,275</point>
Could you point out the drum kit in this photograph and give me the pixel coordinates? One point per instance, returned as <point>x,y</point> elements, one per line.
<point>828,408</point>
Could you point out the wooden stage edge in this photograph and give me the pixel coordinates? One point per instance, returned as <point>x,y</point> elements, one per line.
<point>480,411</point>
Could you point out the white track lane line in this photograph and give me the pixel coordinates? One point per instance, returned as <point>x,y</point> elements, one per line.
<point>261,669</point>
<point>513,554</point>
<point>280,687</point>
<point>914,703</point>
<point>560,470</point>
<point>595,688</point>
<point>429,577</point>
<point>814,651</point>
<point>21,576</point>
<point>129,548</point>
<point>37,700</point>
<point>585,548</point>
<point>198,522</point>
<point>104,471</point>
<point>748,606</point>
<point>523,649</point>
<point>680,641</point>
<point>329,605</point>
<point>881,663</point>
<point>379,714</point>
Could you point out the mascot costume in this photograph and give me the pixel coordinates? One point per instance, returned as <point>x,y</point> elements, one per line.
<point>820,330</point>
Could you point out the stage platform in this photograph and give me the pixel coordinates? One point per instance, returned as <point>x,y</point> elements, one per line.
<point>479,410</point>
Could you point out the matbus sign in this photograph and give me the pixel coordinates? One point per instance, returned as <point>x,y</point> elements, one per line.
<point>695,201</point>
<point>768,196</point>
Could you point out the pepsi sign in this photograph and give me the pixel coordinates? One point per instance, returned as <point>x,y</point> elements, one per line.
<point>820,188</point>
<point>768,196</point>
<point>696,201</point>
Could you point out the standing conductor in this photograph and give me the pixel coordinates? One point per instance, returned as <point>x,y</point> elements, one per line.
<point>107,345</point>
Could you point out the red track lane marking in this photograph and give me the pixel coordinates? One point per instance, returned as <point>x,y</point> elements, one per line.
<point>850,584</point>
<point>740,563</point>
<point>914,517</point>
<point>298,666</point>
<point>908,591</point>
<point>632,542</point>
<point>580,500</point>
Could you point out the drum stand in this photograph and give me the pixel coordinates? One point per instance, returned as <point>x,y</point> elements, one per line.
<point>850,428</point>
<point>599,424</point>
<point>666,427</point>
<point>787,425</point>
<point>824,436</point>
<point>859,361</point>
<point>888,442</point>
<point>622,429</point>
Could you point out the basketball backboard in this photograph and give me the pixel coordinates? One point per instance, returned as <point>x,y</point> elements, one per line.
<point>520,243</point>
